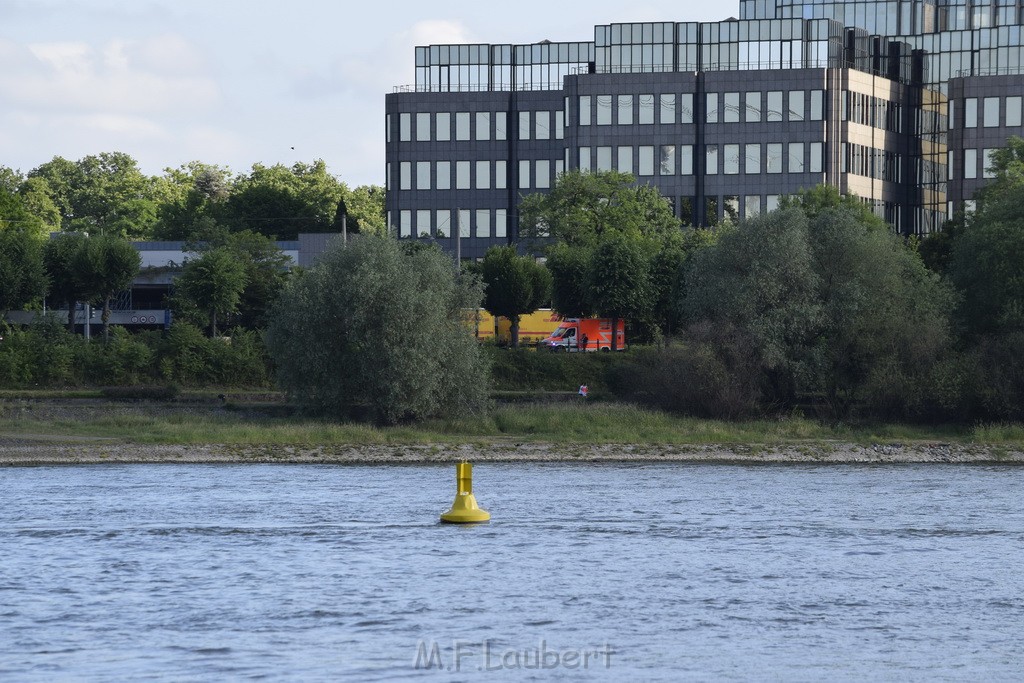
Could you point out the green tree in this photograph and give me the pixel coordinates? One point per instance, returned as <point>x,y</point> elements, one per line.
<point>364,206</point>
<point>582,207</point>
<point>759,280</point>
<point>22,276</point>
<point>109,264</point>
<point>570,279</point>
<point>213,282</point>
<point>190,199</point>
<point>620,280</point>
<point>987,261</point>
<point>281,202</point>
<point>514,285</point>
<point>101,193</point>
<point>62,260</point>
<point>373,332</point>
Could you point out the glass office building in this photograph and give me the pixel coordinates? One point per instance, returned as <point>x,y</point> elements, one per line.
<point>874,98</point>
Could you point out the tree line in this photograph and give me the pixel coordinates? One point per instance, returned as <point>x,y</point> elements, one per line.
<point>817,307</point>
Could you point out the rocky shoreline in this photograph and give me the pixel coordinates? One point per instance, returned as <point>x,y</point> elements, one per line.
<point>28,451</point>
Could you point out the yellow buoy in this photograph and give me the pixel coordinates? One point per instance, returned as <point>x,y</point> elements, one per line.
<point>464,509</point>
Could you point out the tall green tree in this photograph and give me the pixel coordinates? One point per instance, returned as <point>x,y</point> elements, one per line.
<point>22,276</point>
<point>515,285</point>
<point>987,260</point>
<point>374,332</point>
<point>213,282</point>
<point>62,260</point>
<point>620,280</point>
<point>106,265</point>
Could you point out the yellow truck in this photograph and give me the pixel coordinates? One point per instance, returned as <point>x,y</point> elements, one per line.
<point>532,327</point>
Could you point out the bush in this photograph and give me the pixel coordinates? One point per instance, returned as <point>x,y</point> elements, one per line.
<point>373,331</point>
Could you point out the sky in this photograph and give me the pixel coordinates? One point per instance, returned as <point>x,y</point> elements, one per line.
<point>238,82</point>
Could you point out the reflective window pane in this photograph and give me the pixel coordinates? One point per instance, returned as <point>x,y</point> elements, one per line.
<point>668,109</point>
<point>686,108</point>
<point>625,110</point>
<point>423,127</point>
<point>668,160</point>
<point>444,175</point>
<point>753,159</point>
<point>645,114</point>
<point>753,108</point>
<point>991,112</point>
<point>405,127</point>
<point>483,125</point>
<point>443,126</point>
<point>604,110</point>
<point>625,159</point>
<point>645,160</point>
<point>796,105</point>
<point>462,125</point>
<point>731,107</point>
<point>774,112</point>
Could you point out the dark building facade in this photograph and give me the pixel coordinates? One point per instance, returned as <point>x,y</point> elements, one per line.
<point>723,118</point>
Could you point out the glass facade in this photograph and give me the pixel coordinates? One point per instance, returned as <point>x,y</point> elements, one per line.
<point>879,98</point>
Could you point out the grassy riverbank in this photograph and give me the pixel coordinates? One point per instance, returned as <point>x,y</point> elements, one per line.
<point>204,420</point>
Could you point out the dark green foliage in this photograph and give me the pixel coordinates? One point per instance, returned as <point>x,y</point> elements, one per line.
<point>22,275</point>
<point>47,355</point>
<point>61,257</point>
<point>515,285</point>
<point>375,333</point>
<point>213,283</point>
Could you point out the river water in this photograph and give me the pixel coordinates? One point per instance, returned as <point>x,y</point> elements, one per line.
<point>623,572</point>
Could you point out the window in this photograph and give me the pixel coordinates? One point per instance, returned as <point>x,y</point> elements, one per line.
<point>500,174</point>
<point>444,222</point>
<point>462,125</point>
<point>645,160</point>
<point>711,211</point>
<point>711,113</point>
<point>524,125</point>
<point>773,157</point>
<point>444,175</point>
<point>668,109</point>
<point>405,170</point>
<point>625,159</point>
<point>559,167</point>
<point>753,111</point>
<point>731,110</point>
<point>483,125</point>
<point>405,223</point>
<point>970,163</point>
<point>753,159</point>
<point>949,165</point>
<point>796,105</point>
<point>711,160</point>
<point>405,127</point>
<point>559,125</point>
<point>686,159</point>
<point>542,123</point>
<point>986,169</point>
<point>584,110</point>
<point>524,174</point>
<point>751,205</point>
<point>461,175</point>
<point>646,114</point>
<point>771,202</point>
<point>423,127</point>
<point>604,110</point>
<point>422,175</point>
<point>817,105</point>
<point>625,110</point>
<point>500,222</point>
<point>483,175</point>
<point>668,160</point>
<point>483,223</point>
<point>971,112</point>
<point>774,112</point>
<point>542,174</point>
<point>464,215</point>
<point>604,158</point>
<point>817,161</point>
<point>423,223</point>
<point>443,124</point>
<point>731,207</point>
<point>952,114</point>
<point>991,112</point>
<point>387,128</point>
<point>585,163</point>
<point>731,159</point>
<point>500,125</point>
<point>796,157</point>
<point>387,178</point>
<point>686,108</point>
<point>1013,106</point>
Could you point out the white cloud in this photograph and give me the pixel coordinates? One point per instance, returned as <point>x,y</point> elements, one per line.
<point>120,77</point>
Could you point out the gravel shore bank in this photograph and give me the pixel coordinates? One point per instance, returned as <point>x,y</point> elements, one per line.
<point>42,451</point>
